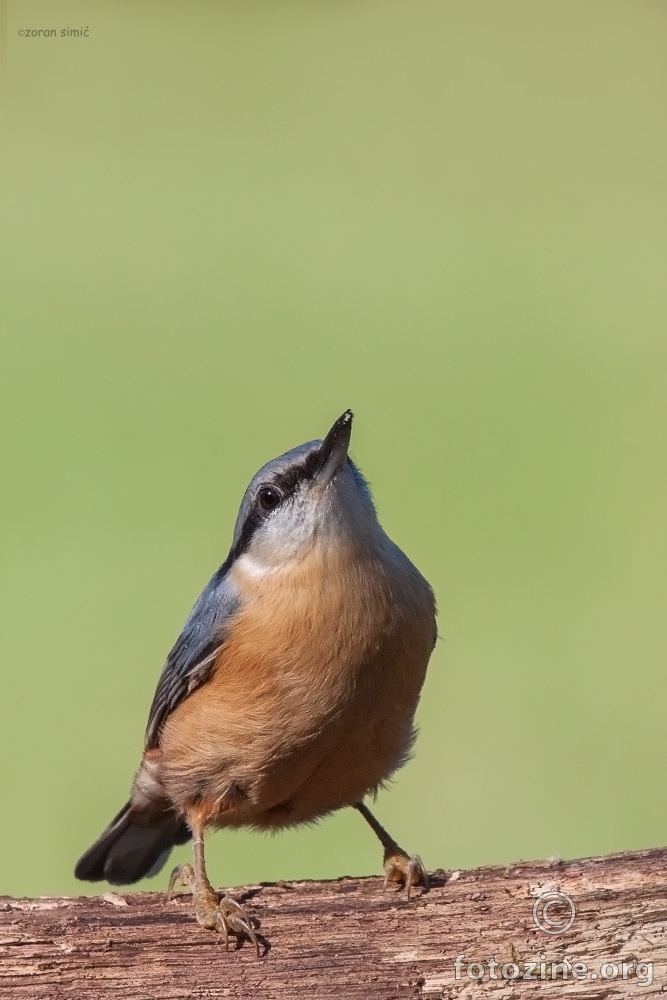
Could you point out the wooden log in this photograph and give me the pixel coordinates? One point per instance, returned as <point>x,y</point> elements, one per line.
<point>349,939</point>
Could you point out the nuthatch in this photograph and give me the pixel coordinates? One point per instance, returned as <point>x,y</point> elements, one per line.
<point>292,688</point>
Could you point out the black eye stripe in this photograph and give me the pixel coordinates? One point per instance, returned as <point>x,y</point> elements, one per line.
<point>291,478</point>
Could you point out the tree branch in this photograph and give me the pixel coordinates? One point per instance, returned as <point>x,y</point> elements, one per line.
<point>349,939</point>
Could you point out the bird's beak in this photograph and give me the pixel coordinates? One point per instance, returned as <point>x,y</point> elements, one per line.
<point>333,450</point>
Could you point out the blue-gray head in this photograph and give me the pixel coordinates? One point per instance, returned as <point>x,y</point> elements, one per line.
<point>313,494</point>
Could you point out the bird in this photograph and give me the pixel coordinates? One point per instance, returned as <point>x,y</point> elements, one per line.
<point>291,690</point>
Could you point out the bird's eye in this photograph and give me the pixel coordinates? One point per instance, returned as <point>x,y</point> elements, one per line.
<point>268,497</point>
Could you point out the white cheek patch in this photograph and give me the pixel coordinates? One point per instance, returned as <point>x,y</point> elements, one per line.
<point>308,521</point>
<point>252,566</point>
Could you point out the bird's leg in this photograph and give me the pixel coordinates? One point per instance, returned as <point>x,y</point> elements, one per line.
<point>215,911</point>
<point>399,866</point>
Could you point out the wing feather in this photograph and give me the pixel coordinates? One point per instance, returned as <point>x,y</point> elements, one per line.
<point>194,653</point>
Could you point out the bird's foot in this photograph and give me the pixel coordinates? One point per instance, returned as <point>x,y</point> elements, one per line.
<point>404,868</point>
<point>215,911</point>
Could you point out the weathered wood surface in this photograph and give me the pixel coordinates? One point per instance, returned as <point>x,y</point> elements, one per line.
<point>348,939</point>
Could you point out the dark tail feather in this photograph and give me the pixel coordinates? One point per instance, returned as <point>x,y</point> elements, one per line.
<point>135,845</point>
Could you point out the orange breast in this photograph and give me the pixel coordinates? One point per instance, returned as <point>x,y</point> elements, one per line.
<point>311,701</point>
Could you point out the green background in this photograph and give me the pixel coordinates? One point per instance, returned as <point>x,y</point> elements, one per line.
<point>227,222</point>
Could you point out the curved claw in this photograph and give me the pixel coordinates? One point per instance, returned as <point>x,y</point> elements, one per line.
<point>232,917</point>
<point>416,867</point>
<point>181,875</point>
<point>221,927</point>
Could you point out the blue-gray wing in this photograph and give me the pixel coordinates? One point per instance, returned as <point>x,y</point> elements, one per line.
<point>190,661</point>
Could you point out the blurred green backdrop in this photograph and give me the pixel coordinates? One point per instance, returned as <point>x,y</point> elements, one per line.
<point>225,223</point>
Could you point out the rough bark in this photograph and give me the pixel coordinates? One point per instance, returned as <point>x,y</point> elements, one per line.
<point>348,939</point>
